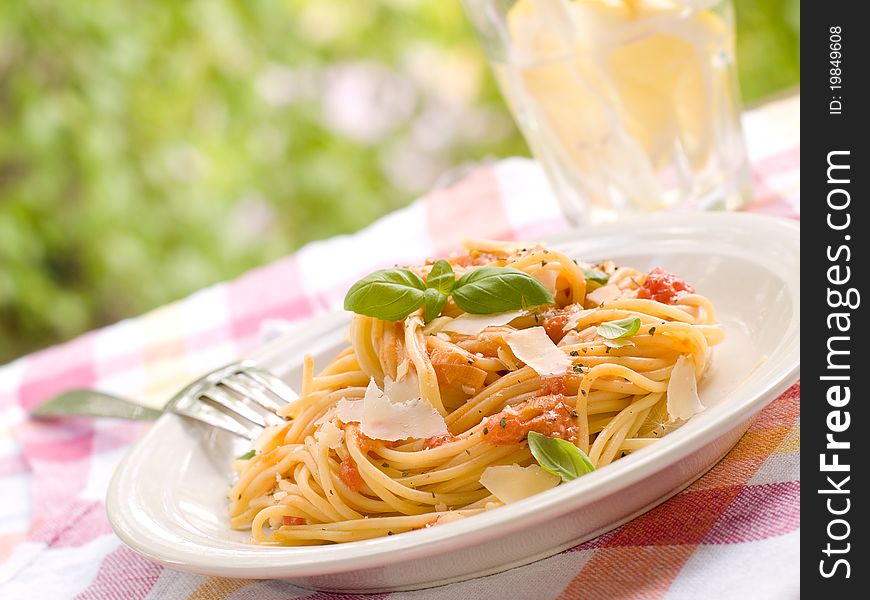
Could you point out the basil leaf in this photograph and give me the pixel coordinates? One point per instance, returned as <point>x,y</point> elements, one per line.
<point>441,277</point>
<point>248,455</point>
<point>621,328</point>
<point>388,294</point>
<point>595,278</point>
<point>434,301</point>
<point>490,290</point>
<point>559,457</point>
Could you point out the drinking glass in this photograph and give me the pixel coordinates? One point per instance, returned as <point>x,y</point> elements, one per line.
<point>629,105</point>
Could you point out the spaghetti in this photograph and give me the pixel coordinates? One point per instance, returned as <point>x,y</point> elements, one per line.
<point>318,478</point>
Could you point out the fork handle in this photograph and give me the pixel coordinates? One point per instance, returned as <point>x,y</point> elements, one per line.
<point>91,403</point>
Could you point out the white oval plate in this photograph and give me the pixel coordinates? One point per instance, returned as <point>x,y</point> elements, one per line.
<point>167,499</point>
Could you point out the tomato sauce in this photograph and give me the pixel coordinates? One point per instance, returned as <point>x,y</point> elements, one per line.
<point>555,325</point>
<point>475,259</point>
<point>554,385</point>
<point>349,474</point>
<point>365,443</point>
<point>439,440</point>
<point>547,415</point>
<point>664,287</point>
<point>288,520</point>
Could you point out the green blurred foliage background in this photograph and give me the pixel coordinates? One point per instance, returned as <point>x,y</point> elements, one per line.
<point>148,149</point>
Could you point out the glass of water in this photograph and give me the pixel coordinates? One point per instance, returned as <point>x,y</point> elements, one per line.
<point>630,105</point>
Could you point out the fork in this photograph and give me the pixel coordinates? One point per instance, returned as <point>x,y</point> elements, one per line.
<point>219,399</point>
<point>241,398</point>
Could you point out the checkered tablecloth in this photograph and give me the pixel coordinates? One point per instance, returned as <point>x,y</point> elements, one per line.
<point>733,534</point>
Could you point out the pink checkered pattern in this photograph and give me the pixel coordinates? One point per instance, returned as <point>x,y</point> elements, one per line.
<point>54,538</point>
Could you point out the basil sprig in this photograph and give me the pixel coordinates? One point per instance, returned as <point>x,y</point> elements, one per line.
<point>559,457</point>
<point>393,294</point>
<point>248,455</point>
<point>434,301</point>
<point>490,290</point>
<point>441,277</point>
<point>622,328</point>
<point>388,294</point>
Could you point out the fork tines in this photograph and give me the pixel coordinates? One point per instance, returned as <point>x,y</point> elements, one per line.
<point>240,398</point>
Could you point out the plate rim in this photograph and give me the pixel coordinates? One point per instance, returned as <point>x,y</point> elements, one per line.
<point>289,562</point>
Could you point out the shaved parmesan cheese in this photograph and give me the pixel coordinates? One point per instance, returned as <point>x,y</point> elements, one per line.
<point>468,324</point>
<point>547,278</point>
<point>535,348</point>
<point>382,418</point>
<point>330,435</point>
<point>510,483</point>
<point>404,389</point>
<point>571,338</point>
<point>683,400</point>
<point>435,325</point>
<point>604,294</point>
<point>349,411</point>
